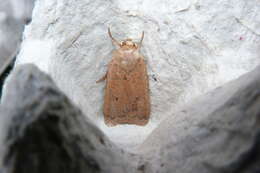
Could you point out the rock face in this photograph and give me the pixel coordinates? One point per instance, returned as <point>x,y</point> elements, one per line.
<point>43,132</point>
<point>219,132</point>
<point>14,14</point>
<point>190,46</point>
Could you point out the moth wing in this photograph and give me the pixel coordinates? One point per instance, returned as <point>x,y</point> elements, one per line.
<point>127,98</point>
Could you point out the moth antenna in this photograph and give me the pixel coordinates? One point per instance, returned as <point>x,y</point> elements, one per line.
<point>142,37</point>
<point>112,38</point>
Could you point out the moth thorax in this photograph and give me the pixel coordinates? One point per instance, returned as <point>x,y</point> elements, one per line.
<point>128,43</point>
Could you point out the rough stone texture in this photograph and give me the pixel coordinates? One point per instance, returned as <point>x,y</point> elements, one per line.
<point>41,131</point>
<point>191,47</point>
<point>217,133</point>
<point>13,15</point>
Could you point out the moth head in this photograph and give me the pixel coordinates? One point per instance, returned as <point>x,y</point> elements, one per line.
<point>128,44</point>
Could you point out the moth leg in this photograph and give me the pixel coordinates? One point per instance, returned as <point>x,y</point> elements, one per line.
<point>102,79</point>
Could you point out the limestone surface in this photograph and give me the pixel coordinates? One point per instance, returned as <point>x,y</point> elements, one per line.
<point>217,132</point>
<point>42,131</point>
<point>190,47</point>
<point>13,15</point>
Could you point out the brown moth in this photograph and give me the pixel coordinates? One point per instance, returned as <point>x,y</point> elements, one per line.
<point>127,99</point>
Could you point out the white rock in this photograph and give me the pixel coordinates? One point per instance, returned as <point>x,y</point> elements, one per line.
<point>185,121</point>
<point>191,47</point>
<point>13,15</point>
<point>217,132</point>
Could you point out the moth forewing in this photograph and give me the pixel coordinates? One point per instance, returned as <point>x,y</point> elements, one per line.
<point>127,99</point>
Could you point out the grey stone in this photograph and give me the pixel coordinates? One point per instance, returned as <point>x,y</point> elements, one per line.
<point>191,47</point>
<point>42,131</point>
<point>218,132</point>
<point>14,14</point>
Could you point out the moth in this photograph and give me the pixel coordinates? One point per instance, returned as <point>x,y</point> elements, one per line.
<point>127,99</point>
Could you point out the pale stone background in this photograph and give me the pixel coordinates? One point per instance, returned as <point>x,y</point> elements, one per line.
<point>191,47</point>
<point>13,15</point>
